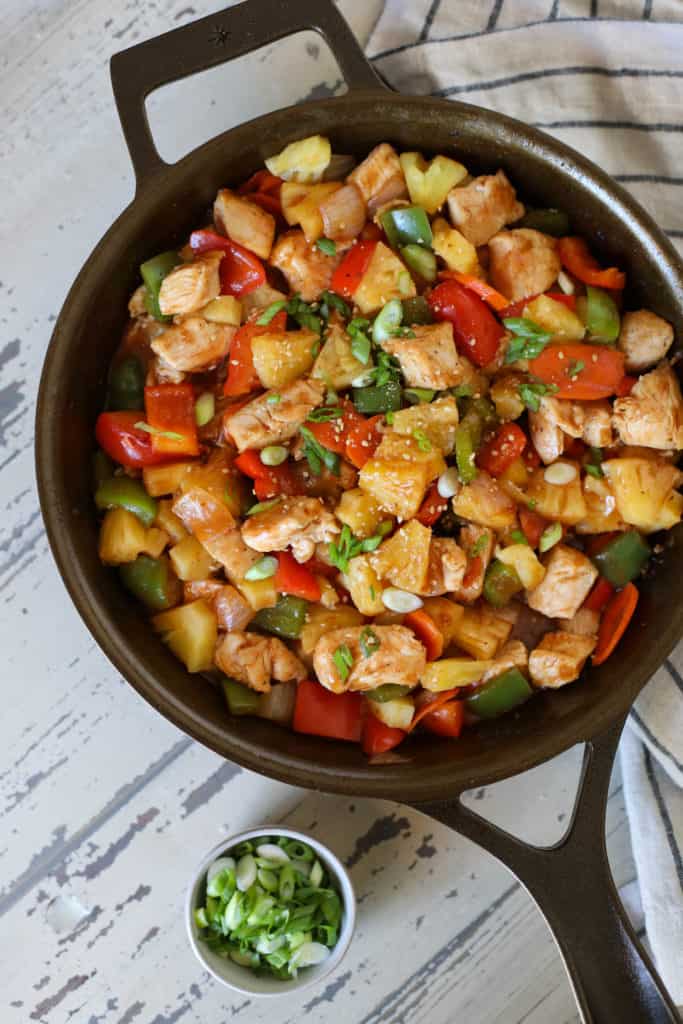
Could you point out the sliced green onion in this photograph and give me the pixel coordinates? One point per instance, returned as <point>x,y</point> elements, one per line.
<point>316,876</point>
<point>327,246</point>
<point>274,455</point>
<point>263,506</point>
<point>170,434</point>
<point>273,853</point>
<point>270,311</point>
<point>550,537</point>
<point>245,872</point>
<point>388,320</point>
<point>418,395</point>
<point>204,408</point>
<point>263,569</point>
<point>274,398</point>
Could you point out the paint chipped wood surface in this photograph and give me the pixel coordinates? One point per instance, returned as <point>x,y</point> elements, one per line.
<point>106,806</point>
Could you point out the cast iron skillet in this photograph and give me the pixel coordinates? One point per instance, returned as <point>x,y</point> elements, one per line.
<point>613,978</point>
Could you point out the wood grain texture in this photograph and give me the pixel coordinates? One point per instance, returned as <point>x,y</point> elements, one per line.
<point>105,806</point>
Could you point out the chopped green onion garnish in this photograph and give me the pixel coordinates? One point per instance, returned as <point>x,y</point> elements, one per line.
<point>550,537</point>
<point>343,660</point>
<point>417,395</point>
<point>170,434</point>
<point>274,455</point>
<point>263,506</point>
<point>327,246</point>
<point>423,442</point>
<point>204,408</point>
<point>263,569</point>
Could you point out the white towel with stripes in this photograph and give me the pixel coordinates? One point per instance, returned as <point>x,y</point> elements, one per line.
<point>606,77</point>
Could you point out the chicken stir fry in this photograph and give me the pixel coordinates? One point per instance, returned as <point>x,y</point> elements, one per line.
<point>385,449</point>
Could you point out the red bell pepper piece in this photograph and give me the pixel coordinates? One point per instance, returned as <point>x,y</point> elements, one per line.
<point>378,737</point>
<point>601,370</point>
<point>349,273</point>
<point>331,434</point>
<point>614,622</point>
<point>296,579</point>
<point>170,408</point>
<point>432,507</point>
<point>262,181</point>
<point>532,525</point>
<point>625,386</point>
<point>476,331</point>
<point>517,308</point>
<point>242,377</point>
<point>241,271</point>
<point>475,284</point>
<point>371,232</point>
<point>506,445</point>
<point>269,481</point>
<point>427,632</point>
<point>599,595</point>
<point>579,261</point>
<point>446,720</point>
<point>267,202</point>
<point>363,438</point>
<point>567,300</point>
<point>339,716</point>
<point>431,701</point>
<point>117,436</point>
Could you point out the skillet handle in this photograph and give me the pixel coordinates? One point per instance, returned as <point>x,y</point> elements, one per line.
<point>210,41</point>
<point>611,974</point>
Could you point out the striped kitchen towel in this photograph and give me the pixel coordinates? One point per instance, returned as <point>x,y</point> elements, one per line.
<point>606,77</point>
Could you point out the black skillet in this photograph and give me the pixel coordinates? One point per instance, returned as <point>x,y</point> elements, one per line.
<point>613,978</point>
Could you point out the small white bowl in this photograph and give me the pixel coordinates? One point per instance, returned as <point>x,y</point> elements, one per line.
<point>243,979</point>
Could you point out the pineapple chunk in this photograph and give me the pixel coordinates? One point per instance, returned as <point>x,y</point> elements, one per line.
<point>486,503</point>
<point>363,584</point>
<point>453,248</point>
<point>523,560</point>
<point>505,396</point>
<point>399,448</point>
<point>398,487</point>
<point>602,515</point>
<point>360,511</point>
<point>448,673</point>
<point>301,205</point>
<point>226,309</point>
<point>304,160</point>
<point>481,633</point>
<point>280,357</point>
<point>259,593</point>
<point>160,480</point>
<point>321,620</point>
<point>562,503</point>
<point>123,537</point>
<point>429,184</point>
<point>446,615</point>
<point>167,520</point>
<point>336,365</point>
<point>397,713</point>
<point>191,560</point>
<point>191,631</point>
<point>219,478</point>
<point>645,492</point>
<point>555,318</point>
<point>404,558</point>
<point>385,278</point>
<point>437,420</point>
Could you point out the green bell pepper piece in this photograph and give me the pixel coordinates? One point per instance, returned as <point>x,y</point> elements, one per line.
<point>419,396</point>
<point>389,691</point>
<point>240,699</point>
<point>417,311</point>
<point>599,312</point>
<point>421,261</point>
<point>387,321</point>
<point>126,385</point>
<point>482,408</point>
<point>501,583</point>
<point>467,436</point>
<point>406,225</point>
<point>152,581</point>
<point>124,492</point>
<point>499,695</point>
<point>623,559</point>
<point>378,398</point>
<point>153,273</point>
<point>286,618</point>
<point>102,468</point>
<point>550,222</point>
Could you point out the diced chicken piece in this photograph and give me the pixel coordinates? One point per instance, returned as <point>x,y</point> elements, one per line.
<point>244,222</point>
<point>307,270</point>
<point>523,262</point>
<point>191,285</point>
<point>232,610</point>
<point>136,304</point>
<point>257,660</point>
<point>559,658</point>
<point>644,339</point>
<point>512,655</point>
<point>568,579</point>
<point>584,623</point>
<point>477,542</point>
<point>379,177</point>
<point>597,424</point>
<point>299,523</point>
<point>343,214</point>
<point>446,568</point>
<point>479,210</point>
<point>430,359</point>
<point>652,415</point>
<point>399,658</point>
<point>212,523</point>
<point>194,344</point>
<point>260,422</point>
<point>159,372</point>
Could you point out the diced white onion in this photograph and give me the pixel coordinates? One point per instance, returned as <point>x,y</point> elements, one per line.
<point>275,854</point>
<point>245,875</point>
<point>565,282</point>
<point>560,473</point>
<point>222,864</point>
<point>448,483</point>
<point>400,600</point>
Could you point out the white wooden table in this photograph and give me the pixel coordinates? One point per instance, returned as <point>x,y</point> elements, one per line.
<point>105,805</point>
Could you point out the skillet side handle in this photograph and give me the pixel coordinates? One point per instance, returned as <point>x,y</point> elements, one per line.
<point>611,974</point>
<point>210,41</point>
